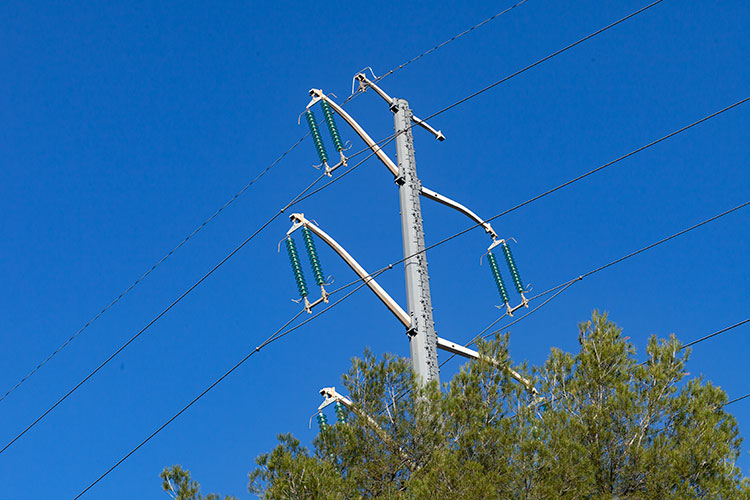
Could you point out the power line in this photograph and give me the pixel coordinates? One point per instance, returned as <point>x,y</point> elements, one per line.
<point>293,202</point>
<point>453,38</point>
<point>532,311</point>
<point>576,179</point>
<point>561,288</point>
<point>279,333</point>
<point>719,332</point>
<point>564,286</point>
<point>546,58</point>
<point>701,339</point>
<point>432,246</point>
<point>709,336</point>
<point>565,184</point>
<point>152,269</point>
<point>229,202</point>
<point>247,186</point>
<point>445,240</point>
<point>736,399</point>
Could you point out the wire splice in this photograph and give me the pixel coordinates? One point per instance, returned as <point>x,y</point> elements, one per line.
<point>317,138</point>
<point>498,277</point>
<point>291,249</point>
<point>512,268</point>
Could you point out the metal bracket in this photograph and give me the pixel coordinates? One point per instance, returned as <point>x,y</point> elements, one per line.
<point>318,95</point>
<point>299,221</point>
<point>444,200</point>
<point>460,350</point>
<point>364,82</point>
<point>331,396</point>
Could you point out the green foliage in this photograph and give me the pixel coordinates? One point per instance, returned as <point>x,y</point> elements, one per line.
<point>603,426</point>
<point>177,483</point>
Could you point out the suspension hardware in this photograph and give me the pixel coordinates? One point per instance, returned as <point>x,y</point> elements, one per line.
<point>514,274</point>
<point>318,138</point>
<point>312,253</point>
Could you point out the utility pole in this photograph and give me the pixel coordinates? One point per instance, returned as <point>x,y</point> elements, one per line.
<point>422,335</point>
<point>419,323</point>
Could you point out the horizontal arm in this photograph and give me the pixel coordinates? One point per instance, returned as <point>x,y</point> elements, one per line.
<point>434,196</point>
<point>454,348</point>
<point>318,95</point>
<point>392,305</point>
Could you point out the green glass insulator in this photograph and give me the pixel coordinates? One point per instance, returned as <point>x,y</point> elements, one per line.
<point>317,138</point>
<point>340,416</point>
<point>291,249</point>
<point>313,254</point>
<point>322,421</point>
<point>498,277</point>
<point>328,114</point>
<point>513,269</point>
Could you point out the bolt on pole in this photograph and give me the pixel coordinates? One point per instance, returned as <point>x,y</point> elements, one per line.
<point>422,335</point>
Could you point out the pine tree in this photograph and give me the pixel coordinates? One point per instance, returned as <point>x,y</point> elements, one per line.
<point>602,426</point>
<point>177,483</point>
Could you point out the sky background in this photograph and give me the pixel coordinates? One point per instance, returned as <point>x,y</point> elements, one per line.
<point>126,126</point>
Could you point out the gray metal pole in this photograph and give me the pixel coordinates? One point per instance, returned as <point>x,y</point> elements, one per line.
<point>422,336</point>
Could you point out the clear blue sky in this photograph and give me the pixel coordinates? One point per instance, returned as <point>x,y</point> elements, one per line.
<point>127,126</point>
